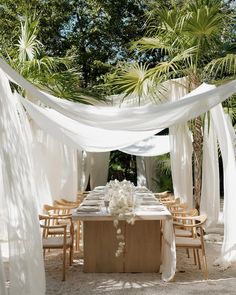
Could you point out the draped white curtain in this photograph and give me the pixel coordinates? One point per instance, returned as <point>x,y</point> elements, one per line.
<point>181,163</point>
<point>153,146</point>
<point>181,149</point>
<point>232,131</point>
<point>19,233</point>
<point>210,194</point>
<point>146,172</point>
<point>83,169</point>
<point>99,164</point>
<point>149,118</point>
<point>228,252</point>
<point>55,167</point>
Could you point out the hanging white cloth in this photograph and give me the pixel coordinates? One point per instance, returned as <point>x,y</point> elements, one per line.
<point>210,194</point>
<point>153,146</point>
<point>99,165</point>
<point>141,171</point>
<point>24,268</point>
<point>181,149</point>
<point>79,135</point>
<point>39,156</point>
<point>146,172</point>
<point>56,167</point>
<point>228,251</point>
<point>144,118</point>
<point>83,159</point>
<point>232,131</point>
<point>181,163</point>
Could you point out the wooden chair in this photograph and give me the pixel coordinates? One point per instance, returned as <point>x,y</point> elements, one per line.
<point>196,241</point>
<point>180,231</point>
<point>81,195</point>
<point>170,202</point>
<point>68,202</point>
<point>162,195</point>
<point>60,209</point>
<point>64,240</point>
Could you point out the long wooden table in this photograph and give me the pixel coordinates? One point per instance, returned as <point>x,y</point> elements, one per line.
<point>142,241</point>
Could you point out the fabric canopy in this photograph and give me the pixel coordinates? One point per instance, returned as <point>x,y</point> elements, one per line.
<point>144,118</point>
<point>93,129</point>
<point>80,135</point>
<point>153,146</point>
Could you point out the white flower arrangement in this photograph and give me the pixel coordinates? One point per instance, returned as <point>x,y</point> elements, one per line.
<point>121,206</point>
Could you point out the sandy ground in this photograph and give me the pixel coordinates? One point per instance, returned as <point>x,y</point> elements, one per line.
<point>188,279</point>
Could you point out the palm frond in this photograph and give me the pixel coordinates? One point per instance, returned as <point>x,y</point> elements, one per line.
<point>147,43</point>
<point>173,65</point>
<point>131,80</point>
<point>28,44</point>
<point>226,65</point>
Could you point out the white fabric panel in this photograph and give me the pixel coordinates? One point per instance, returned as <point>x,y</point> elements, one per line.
<point>232,131</point>
<point>146,172</point>
<point>153,146</point>
<point>25,268</point>
<point>40,155</point>
<point>181,163</point>
<point>78,135</point>
<point>57,165</point>
<point>168,249</point>
<point>83,169</point>
<point>181,150</point>
<point>68,188</point>
<point>150,168</point>
<point>141,171</point>
<point>210,194</point>
<point>144,118</point>
<point>228,252</point>
<point>99,169</point>
<point>4,251</point>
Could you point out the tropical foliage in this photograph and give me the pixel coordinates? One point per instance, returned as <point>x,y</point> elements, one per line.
<point>193,39</point>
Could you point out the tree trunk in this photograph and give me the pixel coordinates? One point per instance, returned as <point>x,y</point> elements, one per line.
<point>197,149</point>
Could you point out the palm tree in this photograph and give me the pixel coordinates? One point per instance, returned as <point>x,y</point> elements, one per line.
<point>195,40</point>
<point>52,74</point>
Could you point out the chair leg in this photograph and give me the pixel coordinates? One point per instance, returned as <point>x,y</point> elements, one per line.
<point>71,255</point>
<point>205,264</point>
<point>77,238</point>
<point>187,251</point>
<point>198,259</point>
<point>194,257</point>
<point>64,265</point>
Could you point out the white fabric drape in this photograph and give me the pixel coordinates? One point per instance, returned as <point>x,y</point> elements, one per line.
<point>153,146</point>
<point>20,230</point>
<point>181,149</point>
<point>146,172</point>
<point>232,131</point>
<point>144,118</point>
<point>168,249</point>
<point>56,168</point>
<point>181,163</point>
<point>228,252</point>
<point>83,169</point>
<point>141,171</point>
<point>99,169</point>
<point>79,135</point>
<point>210,194</point>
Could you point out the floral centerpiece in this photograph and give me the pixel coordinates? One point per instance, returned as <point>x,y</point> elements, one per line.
<point>121,206</point>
